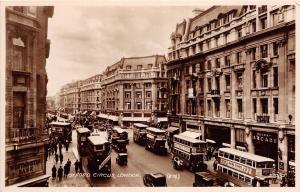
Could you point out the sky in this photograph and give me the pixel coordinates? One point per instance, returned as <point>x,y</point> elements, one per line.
<point>85,40</point>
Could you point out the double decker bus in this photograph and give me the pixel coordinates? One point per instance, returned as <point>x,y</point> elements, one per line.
<point>189,153</point>
<point>156,140</point>
<point>244,169</point>
<point>82,134</point>
<point>139,133</point>
<point>99,155</point>
<point>61,131</point>
<point>120,133</point>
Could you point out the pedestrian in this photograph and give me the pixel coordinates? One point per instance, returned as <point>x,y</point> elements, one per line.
<point>53,172</point>
<point>55,148</point>
<point>215,165</point>
<point>66,170</point>
<point>67,145</point>
<point>56,158</point>
<point>76,166</point>
<point>60,147</point>
<point>80,166</point>
<point>60,173</point>
<point>49,151</point>
<point>61,158</point>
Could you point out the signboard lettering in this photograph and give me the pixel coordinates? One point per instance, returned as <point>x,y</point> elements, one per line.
<point>26,167</point>
<point>237,166</point>
<point>264,137</point>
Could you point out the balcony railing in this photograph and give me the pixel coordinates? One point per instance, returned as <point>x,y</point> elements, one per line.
<point>263,118</point>
<point>23,135</point>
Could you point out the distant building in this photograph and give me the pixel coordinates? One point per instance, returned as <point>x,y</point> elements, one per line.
<point>231,72</point>
<point>50,103</point>
<point>27,49</point>
<point>133,90</point>
<point>69,98</point>
<point>90,91</point>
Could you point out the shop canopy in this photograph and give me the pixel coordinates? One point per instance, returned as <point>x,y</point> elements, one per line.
<point>210,141</point>
<point>172,129</point>
<point>191,134</point>
<point>103,116</point>
<point>113,117</point>
<point>136,119</point>
<point>93,113</point>
<point>162,119</point>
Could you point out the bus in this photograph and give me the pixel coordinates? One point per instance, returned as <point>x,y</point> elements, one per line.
<point>120,133</point>
<point>82,134</point>
<point>189,153</point>
<point>99,155</point>
<point>156,140</point>
<point>61,131</point>
<point>244,169</point>
<point>139,133</point>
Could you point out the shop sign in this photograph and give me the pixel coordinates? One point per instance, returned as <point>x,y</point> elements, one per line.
<point>237,166</point>
<point>25,167</point>
<point>264,137</point>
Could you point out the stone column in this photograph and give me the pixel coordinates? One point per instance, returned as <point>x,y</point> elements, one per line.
<point>154,96</point>
<point>282,100</point>
<point>247,87</point>
<point>232,137</point>
<point>234,107</point>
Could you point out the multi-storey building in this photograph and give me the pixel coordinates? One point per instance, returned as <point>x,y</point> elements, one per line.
<point>231,72</point>
<point>90,91</point>
<point>50,103</point>
<point>132,89</point>
<point>70,97</point>
<point>27,48</point>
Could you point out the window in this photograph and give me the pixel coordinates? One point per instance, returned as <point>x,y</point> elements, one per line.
<point>217,40</point>
<point>254,79</point>
<point>240,108</point>
<point>139,105</point>
<point>201,83</point>
<point>139,67</point>
<point>239,32</point>
<point>217,62</point>
<point>275,76</point>
<point>253,53</point>
<point>127,95</point>
<point>148,94</point>
<point>217,108</point>
<point>208,44</point>
<point>202,107</point>
<point>209,65</point>
<point>264,105</point>
<point>274,17</point>
<point>264,77</point>
<point>127,86</point>
<point>254,106</point>
<point>275,105</point>
<point>18,60</point>
<point>217,81</point>
<point>264,51</point>
<point>128,105</point>
<point>263,22</point>
<point>209,107</point>
<point>253,26</point>
<point>239,80</point>
<point>138,86</point>
<point>228,108</point>
<point>227,60</point>
<point>138,94</point>
<point>148,85</point>
<point>148,105</point>
<point>19,106</point>
<point>209,84</point>
<point>275,49</point>
<point>226,37</point>
<point>227,82</point>
<point>239,57</point>
<point>128,67</point>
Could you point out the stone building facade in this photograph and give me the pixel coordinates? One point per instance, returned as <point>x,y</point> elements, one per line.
<point>70,97</point>
<point>27,49</point>
<point>132,89</point>
<point>231,72</point>
<point>90,91</point>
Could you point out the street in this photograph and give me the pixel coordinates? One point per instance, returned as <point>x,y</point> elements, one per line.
<point>141,162</point>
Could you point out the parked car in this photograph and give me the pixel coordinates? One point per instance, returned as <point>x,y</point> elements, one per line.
<point>177,163</point>
<point>205,179</point>
<point>155,180</point>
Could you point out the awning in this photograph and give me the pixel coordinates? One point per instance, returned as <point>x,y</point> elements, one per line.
<point>136,119</point>
<point>84,113</point>
<point>93,113</point>
<point>162,119</point>
<point>226,145</point>
<point>210,141</point>
<point>103,116</point>
<point>113,118</point>
<point>191,134</point>
<point>172,129</point>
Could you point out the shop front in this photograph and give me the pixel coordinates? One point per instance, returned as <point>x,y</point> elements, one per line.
<point>266,144</point>
<point>218,134</point>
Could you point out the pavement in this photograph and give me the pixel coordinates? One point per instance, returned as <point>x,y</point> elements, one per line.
<point>73,180</point>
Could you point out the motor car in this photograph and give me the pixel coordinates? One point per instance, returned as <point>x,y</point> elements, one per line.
<point>155,180</point>
<point>206,179</point>
<point>177,163</point>
<point>122,159</point>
